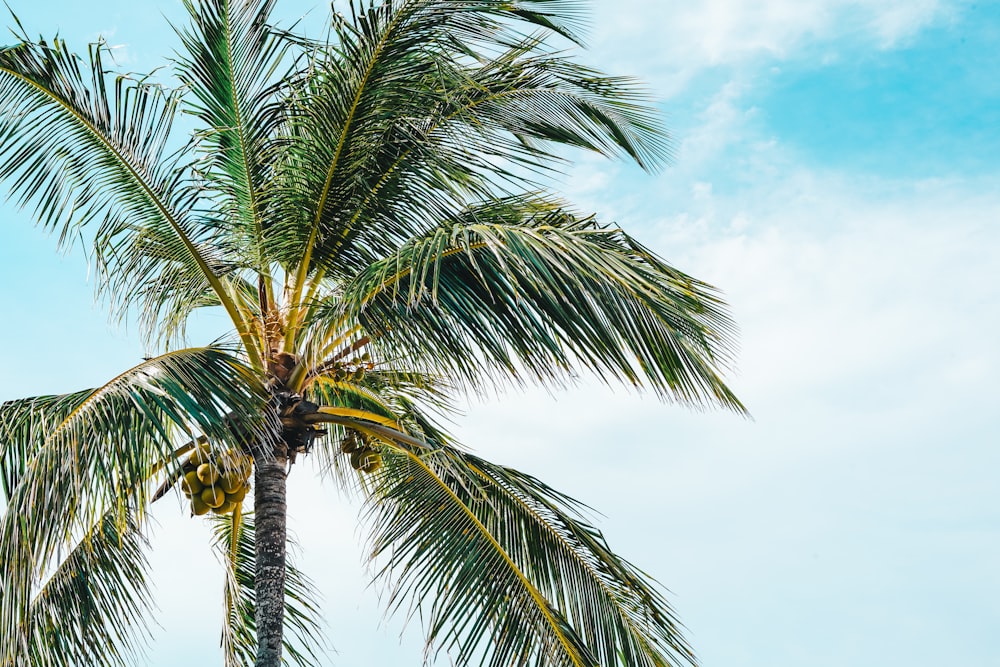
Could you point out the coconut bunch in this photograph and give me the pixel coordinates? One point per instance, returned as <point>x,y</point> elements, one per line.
<point>364,455</point>
<point>216,481</point>
<point>353,370</point>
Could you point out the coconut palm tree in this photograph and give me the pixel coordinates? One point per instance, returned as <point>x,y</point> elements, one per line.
<point>370,211</point>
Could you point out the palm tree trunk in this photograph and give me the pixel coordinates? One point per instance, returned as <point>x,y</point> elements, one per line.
<point>269,582</point>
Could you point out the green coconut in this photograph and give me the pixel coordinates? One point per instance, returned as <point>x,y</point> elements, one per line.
<point>365,459</point>
<point>371,462</point>
<point>356,458</point>
<point>198,506</point>
<point>213,496</point>
<point>202,454</point>
<point>231,480</point>
<point>190,484</point>
<point>208,474</point>
<point>225,508</point>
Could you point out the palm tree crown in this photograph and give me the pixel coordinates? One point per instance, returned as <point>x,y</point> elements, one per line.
<point>370,211</point>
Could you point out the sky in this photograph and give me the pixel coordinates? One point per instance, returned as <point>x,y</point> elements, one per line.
<point>835,175</point>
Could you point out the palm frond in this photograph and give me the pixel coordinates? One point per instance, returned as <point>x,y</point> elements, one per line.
<point>459,536</point>
<point>479,129</point>
<point>388,128</point>
<point>391,398</point>
<point>303,641</point>
<point>83,148</point>
<point>81,458</point>
<point>23,424</point>
<point>93,608</point>
<point>230,64</point>
<point>477,601</point>
<point>522,288</point>
<point>620,613</point>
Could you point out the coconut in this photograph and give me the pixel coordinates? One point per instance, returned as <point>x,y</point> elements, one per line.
<point>198,506</point>
<point>230,481</point>
<point>208,474</point>
<point>225,508</point>
<point>213,496</point>
<point>190,484</point>
<point>363,459</point>
<point>371,462</point>
<point>202,454</point>
<point>238,495</point>
<point>356,458</point>
<point>196,459</point>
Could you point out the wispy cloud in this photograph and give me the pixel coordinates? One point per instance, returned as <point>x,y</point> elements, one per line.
<point>674,41</point>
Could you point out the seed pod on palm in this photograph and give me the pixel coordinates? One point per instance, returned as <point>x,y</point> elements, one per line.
<point>208,473</point>
<point>213,496</point>
<point>350,444</point>
<point>371,462</point>
<point>198,506</point>
<point>225,508</point>
<point>190,484</point>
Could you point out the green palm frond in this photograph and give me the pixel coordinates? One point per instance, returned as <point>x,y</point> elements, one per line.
<point>303,644</point>
<point>618,610</point>
<point>394,125</point>
<point>493,512</point>
<point>23,426</point>
<point>477,601</point>
<point>88,457</point>
<point>520,287</point>
<point>230,64</point>
<point>504,569</point>
<point>83,148</point>
<point>93,608</point>
<point>484,128</point>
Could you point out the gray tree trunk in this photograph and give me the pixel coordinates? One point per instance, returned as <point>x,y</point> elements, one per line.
<point>269,583</point>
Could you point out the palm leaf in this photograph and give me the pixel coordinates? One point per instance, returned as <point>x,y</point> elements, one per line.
<point>618,611</point>
<point>229,65</point>
<point>376,118</point>
<point>93,609</point>
<point>474,126</point>
<point>83,148</point>
<point>96,455</point>
<point>477,601</point>
<point>461,537</point>
<point>522,288</point>
<point>23,425</point>
<point>615,610</point>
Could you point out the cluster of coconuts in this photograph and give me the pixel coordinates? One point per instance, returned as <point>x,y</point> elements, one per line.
<point>364,456</point>
<point>353,370</point>
<point>218,482</point>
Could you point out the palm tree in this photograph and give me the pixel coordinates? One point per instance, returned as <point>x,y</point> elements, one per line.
<point>369,209</point>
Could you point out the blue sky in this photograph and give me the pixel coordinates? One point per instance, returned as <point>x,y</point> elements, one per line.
<point>836,175</point>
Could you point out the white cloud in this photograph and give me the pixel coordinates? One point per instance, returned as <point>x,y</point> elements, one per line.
<point>672,41</point>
